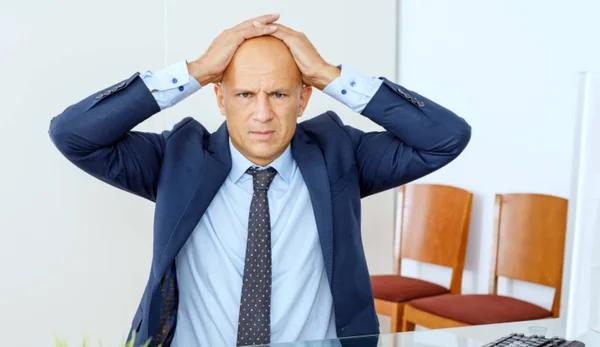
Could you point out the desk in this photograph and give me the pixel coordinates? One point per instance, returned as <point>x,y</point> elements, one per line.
<point>473,336</point>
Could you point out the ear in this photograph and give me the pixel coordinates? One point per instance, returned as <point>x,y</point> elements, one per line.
<point>304,97</point>
<point>220,96</point>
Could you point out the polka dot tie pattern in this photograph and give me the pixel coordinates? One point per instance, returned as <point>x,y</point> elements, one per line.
<point>254,323</point>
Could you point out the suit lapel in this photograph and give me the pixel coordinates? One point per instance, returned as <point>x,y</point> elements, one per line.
<point>213,171</point>
<point>310,160</point>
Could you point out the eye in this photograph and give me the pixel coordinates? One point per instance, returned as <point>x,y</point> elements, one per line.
<point>244,95</point>
<point>279,95</point>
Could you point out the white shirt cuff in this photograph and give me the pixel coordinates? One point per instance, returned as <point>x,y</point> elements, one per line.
<point>353,88</point>
<point>172,84</point>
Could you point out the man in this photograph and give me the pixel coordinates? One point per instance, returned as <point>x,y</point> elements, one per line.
<point>257,227</point>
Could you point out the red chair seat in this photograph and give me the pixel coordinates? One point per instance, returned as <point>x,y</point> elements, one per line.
<point>396,288</point>
<point>478,309</point>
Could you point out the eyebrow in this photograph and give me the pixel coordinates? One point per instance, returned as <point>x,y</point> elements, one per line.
<point>253,91</point>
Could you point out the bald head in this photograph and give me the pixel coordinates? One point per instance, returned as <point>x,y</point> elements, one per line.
<point>262,96</point>
<point>262,56</point>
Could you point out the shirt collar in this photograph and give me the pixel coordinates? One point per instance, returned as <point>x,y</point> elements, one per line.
<point>284,164</point>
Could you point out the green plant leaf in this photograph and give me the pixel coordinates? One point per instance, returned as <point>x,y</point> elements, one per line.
<point>60,342</point>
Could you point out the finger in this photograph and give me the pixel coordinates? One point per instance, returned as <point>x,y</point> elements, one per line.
<point>284,29</point>
<point>257,29</point>
<point>264,19</point>
<point>284,33</point>
<point>267,19</point>
<point>280,34</point>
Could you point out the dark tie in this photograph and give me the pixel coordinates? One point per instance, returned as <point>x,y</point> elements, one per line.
<point>254,323</point>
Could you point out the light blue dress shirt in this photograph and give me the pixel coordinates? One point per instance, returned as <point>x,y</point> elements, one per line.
<point>210,266</point>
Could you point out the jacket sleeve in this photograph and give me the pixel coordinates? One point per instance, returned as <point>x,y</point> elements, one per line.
<point>420,138</point>
<point>96,135</point>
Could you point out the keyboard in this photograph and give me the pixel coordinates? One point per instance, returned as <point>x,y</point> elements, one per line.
<point>522,340</point>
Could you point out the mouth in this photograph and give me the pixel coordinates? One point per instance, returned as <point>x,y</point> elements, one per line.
<point>262,135</point>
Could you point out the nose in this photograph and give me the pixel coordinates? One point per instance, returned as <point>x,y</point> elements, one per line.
<point>264,111</point>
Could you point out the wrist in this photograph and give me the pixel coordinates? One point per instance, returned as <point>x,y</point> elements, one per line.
<point>326,75</point>
<point>199,73</point>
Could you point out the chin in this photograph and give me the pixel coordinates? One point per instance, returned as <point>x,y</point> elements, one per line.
<point>265,155</point>
<point>264,152</point>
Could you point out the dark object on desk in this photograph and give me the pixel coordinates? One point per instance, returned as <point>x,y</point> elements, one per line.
<point>521,340</point>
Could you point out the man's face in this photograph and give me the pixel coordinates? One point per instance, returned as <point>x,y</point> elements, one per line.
<point>262,95</point>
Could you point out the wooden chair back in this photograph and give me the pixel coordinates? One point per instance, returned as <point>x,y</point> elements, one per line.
<point>432,226</point>
<point>530,232</point>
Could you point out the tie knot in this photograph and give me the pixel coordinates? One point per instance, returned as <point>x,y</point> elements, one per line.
<point>262,178</point>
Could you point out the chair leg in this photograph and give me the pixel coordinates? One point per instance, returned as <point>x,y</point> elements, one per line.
<point>397,319</point>
<point>407,326</point>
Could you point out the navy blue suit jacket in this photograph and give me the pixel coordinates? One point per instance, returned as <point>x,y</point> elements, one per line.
<point>181,170</point>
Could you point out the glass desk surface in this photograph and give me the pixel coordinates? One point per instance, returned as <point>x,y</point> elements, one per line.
<point>472,336</point>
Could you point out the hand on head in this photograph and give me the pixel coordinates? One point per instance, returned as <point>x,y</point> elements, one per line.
<point>315,70</point>
<point>210,67</point>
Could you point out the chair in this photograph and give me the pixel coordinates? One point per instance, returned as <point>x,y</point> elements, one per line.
<point>432,223</point>
<point>529,244</point>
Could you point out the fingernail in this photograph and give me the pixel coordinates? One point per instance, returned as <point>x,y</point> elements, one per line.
<point>272,27</point>
<point>256,23</point>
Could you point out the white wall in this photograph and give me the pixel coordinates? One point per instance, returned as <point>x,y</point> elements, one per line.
<point>584,298</point>
<point>74,252</point>
<point>510,68</point>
